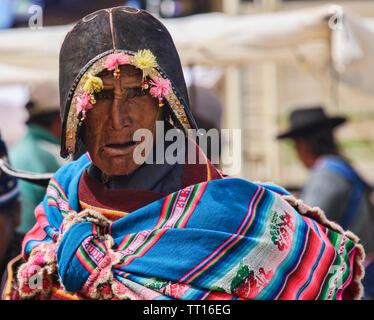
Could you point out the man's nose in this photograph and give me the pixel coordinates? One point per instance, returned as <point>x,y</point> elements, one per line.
<point>119,113</point>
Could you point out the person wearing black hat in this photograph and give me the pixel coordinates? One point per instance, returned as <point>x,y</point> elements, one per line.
<point>312,132</point>
<point>333,184</point>
<point>114,226</point>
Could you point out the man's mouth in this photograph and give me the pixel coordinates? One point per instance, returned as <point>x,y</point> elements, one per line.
<point>117,149</point>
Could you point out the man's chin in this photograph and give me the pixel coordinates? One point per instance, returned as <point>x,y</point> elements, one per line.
<point>117,166</point>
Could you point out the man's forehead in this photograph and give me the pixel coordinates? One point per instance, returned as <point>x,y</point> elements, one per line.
<point>129,75</point>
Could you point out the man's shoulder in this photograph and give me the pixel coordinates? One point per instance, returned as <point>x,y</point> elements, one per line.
<point>71,169</point>
<point>322,178</point>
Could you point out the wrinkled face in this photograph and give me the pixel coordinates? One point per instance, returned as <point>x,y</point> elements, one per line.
<point>120,110</point>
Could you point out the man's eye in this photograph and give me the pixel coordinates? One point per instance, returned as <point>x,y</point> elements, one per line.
<point>104,95</point>
<point>136,92</point>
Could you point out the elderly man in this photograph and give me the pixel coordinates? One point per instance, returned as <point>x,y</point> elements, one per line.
<point>114,225</point>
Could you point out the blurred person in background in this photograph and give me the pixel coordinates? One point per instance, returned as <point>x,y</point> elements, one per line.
<point>206,107</point>
<point>10,240</point>
<point>333,184</point>
<point>38,150</point>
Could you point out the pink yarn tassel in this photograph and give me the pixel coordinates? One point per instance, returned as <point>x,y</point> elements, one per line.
<point>116,59</point>
<point>160,87</point>
<point>84,103</point>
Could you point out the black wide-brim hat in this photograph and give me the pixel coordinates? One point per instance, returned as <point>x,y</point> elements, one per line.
<point>119,30</point>
<point>304,122</point>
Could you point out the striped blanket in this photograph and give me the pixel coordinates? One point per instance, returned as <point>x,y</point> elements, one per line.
<point>222,239</point>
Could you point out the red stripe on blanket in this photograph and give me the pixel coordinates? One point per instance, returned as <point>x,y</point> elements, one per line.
<point>301,275</point>
<point>323,265</point>
<point>157,235</point>
<point>217,295</point>
<point>193,205</point>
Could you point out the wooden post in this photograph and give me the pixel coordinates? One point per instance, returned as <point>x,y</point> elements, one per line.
<point>269,114</point>
<point>232,116</point>
<point>232,86</point>
<point>270,110</point>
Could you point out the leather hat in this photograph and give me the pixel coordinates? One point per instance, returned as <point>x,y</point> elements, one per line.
<point>308,120</point>
<point>107,31</point>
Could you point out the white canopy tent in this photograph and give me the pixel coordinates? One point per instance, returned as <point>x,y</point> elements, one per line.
<point>217,39</point>
<point>323,38</point>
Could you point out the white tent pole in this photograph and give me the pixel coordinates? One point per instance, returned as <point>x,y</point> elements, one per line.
<point>270,109</point>
<point>232,87</point>
<point>269,113</point>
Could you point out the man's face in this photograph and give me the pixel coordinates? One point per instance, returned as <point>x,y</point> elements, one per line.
<point>304,152</point>
<point>110,125</point>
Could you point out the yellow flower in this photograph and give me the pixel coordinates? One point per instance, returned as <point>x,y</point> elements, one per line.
<point>93,84</point>
<point>145,61</point>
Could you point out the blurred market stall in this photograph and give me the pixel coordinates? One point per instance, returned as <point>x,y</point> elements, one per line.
<point>327,40</point>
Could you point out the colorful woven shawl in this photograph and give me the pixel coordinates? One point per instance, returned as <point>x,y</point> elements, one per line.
<point>222,239</point>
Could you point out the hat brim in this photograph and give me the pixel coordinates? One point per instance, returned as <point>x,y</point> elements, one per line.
<point>328,123</point>
<point>41,179</point>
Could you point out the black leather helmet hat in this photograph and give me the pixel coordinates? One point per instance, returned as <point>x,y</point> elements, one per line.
<point>123,30</point>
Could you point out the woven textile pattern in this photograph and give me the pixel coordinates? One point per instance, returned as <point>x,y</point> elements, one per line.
<point>222,239</point>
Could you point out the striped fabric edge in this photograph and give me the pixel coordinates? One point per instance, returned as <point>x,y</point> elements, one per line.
<point>324,259</point>
<point>59,293</point>
<point>105,212</point>
<point>339,269</point>
<point>319,216</point>
<point>56,197</point>
<point>317,254</point>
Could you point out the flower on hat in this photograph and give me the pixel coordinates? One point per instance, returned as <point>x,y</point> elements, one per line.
<point>145,61</point>
<point>93,84</point>
<point>115,59</point>
<point>84,102</point>
<point>160,87</point>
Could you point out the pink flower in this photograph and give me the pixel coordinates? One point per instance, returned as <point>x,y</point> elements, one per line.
<point>160,87</point>
<point>84,103</point>
<point>116,59</point>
